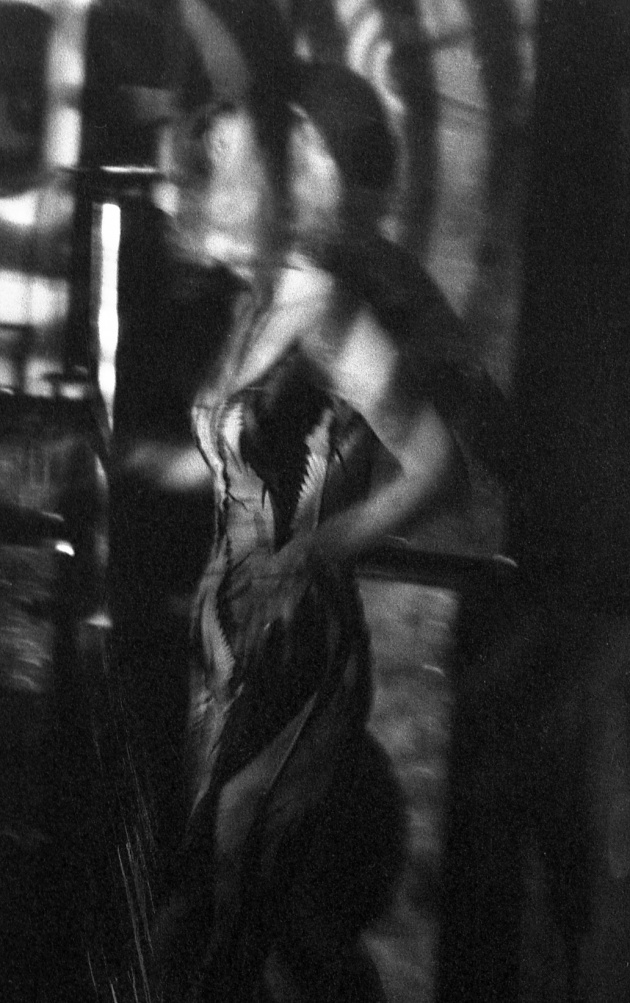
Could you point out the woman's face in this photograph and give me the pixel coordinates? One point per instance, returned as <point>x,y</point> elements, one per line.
<point>224,193</point>
<point>223,190</point>
<point>315,184</point>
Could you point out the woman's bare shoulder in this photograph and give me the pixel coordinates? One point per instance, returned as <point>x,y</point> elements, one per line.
<point>360,360</point>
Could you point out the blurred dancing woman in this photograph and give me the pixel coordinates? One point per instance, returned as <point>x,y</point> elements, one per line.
<point>295,831</point>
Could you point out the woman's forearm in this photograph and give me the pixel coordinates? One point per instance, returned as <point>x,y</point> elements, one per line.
<point>409,496</point>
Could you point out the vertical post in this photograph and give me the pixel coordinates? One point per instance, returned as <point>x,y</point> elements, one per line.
<point>532,761</point>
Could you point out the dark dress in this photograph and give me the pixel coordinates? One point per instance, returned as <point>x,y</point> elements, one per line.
<point>295,832</point>
<point>296,828</point>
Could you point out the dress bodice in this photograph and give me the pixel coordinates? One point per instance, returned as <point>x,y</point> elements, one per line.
<point>284,454</point>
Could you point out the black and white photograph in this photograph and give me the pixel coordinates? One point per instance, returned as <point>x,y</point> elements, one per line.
<point>314,501</point>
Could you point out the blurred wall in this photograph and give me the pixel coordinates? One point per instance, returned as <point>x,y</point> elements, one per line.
<point>456,76</point>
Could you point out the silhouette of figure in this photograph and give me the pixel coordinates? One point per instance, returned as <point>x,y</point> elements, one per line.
<point>295,831</point>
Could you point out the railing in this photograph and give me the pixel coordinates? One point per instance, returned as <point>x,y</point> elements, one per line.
<point>457,572</point>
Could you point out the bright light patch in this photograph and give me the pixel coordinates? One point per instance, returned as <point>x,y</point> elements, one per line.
<point>31,299</point>
<point>64,137</point>
<point>349,9</point>
<point>366,34</point>
<point>166,197</point>
<point>20,210</point>
<point>107,322</point>
<point>63,547</point>
<point>65,76</point>
<point>444,17</point>
<point>107,383</point>
<point>165,191</point>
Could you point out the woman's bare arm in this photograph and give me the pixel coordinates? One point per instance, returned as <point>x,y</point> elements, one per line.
<point>362,366</point>
<point>365,373</point>
<point>423,474</point>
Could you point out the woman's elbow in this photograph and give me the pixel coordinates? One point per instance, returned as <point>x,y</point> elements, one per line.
<point>440,461</point>
<point>455,486</point>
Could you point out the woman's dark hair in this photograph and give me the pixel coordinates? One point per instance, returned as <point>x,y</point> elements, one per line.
<point>408,302</point>
<point>347,111</point>
<point>352,120</point>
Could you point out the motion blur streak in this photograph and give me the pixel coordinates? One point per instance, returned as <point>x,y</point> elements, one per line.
<point>109,231</point>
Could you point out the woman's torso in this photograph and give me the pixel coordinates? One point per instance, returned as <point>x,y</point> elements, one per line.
<point>286,452</point>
